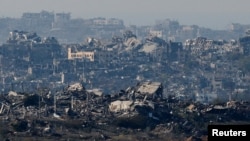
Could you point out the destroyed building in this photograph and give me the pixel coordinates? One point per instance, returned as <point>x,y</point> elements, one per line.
<point>180,85</point>
<point>76,110</point>
<point>126,58</point>
<point>151,90</point>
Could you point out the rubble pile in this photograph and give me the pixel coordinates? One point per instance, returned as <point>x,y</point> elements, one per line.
<point>22,37</point>
<point>77,113</point>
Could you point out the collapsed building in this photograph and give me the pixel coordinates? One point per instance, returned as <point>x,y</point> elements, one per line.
<point>22,37</point>
<point>139,107</point>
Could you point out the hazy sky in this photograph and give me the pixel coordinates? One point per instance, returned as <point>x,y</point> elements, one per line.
<point>216,14</point>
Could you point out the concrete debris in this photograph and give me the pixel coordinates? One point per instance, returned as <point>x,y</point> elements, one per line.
<point>120,106</point>
<point>153,89</point>
<point>75,87</point>
<point>191,108</point>
<point>139,107</point>
<point>11,93</point>
<point>20,37</point>
<point>96,92</point>
<point>132,44</point>
<point>93,42</point>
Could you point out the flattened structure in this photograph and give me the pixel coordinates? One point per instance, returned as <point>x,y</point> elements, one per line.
<point>153,89</point>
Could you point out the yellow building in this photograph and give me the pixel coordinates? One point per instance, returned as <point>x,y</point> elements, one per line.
<point>82,54</point>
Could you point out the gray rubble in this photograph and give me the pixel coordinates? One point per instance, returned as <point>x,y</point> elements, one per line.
<point>137,108</point>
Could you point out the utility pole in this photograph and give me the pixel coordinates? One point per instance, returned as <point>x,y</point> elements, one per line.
<point>39,95</point>
<point>22,86</point>
<point>88,115</point>
<point>55,103</point>
<point>72,102</point>
<point>74,63</point>
<point>54,66</point>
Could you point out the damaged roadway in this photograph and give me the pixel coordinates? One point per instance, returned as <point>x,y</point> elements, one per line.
<point>140,112</point>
